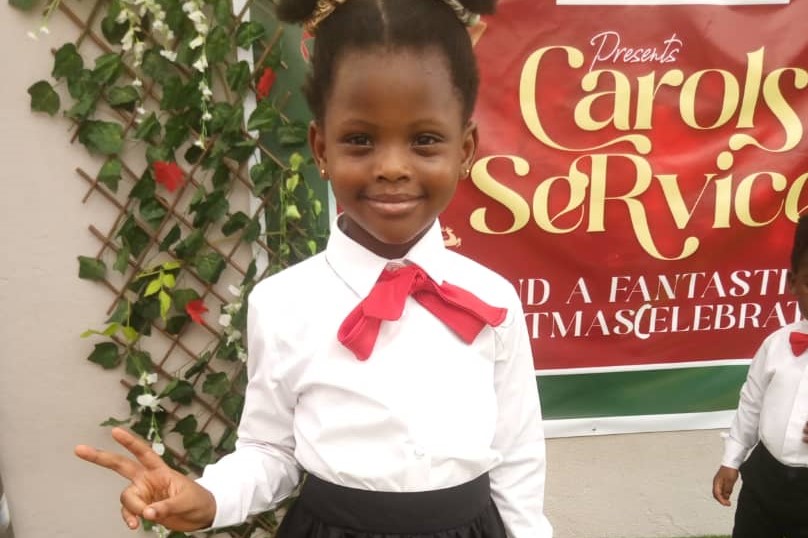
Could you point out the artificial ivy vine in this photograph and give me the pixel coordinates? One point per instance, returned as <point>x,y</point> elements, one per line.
<point>169,90</point>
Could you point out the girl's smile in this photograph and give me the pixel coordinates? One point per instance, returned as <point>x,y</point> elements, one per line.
<point>393,144</point>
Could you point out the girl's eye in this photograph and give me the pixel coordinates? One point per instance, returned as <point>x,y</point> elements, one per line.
<point>425,140</point>
<point>358,140</point>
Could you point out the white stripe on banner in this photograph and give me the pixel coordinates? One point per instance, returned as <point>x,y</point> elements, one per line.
<point>643,367</point>
<point>668,2</point>
<point>577,427</point>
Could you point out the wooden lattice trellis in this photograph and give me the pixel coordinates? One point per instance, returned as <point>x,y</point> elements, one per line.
<point>182,348</point>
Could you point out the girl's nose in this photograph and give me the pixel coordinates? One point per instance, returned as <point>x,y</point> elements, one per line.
<point>392,163</point>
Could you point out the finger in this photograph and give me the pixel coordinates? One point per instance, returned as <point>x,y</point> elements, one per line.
<point>138,449</point>
<point>109,460</point>
<point>129,518</point>
<point>133,502</point>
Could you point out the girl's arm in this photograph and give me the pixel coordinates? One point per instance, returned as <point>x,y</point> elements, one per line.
<point>262,471</point>
<point>517,483</point>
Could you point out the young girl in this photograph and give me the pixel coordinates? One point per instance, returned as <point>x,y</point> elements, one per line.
<point>396,373</point>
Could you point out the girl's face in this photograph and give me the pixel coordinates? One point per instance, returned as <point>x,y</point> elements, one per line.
<point>393,144</point>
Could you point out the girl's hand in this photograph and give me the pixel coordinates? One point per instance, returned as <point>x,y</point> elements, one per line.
<point>723,482</point>
<point>156,492</point>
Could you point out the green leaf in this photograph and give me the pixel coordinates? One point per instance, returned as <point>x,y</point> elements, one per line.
<point>213,208</point>
<point>251,232</point>
<point>182,297</point>
<point>44,98</point>
<point>83,85</point>
<point>232,405</point>
<point>157,67</point>
<point>91,268</point>
<point>222,10</point>
<point>25,5</point>
<point>110,173</point>
<point>216,384</point>
<point>123,97</point>
<point>264,117</point>
<point>199,366</point>
<point>221,177</point>
<point>138,362</point>
<point>175,324</point>
<point>121,312</point>
<point>189,246</point>
<point>186,425</point>
<point>173,98</point>
<point>217,44</point>
<point>133,236</point>
<point>105,354</point>
<point>84,107</point>
<point>238,77</point>
<point>210,266</point>
<point>180,391</point>
<point>152,211</point>
<point>248,33</point>
<point>107,68</point>
<point>145,187</point>
<point>170,238</point>
<point>101,137</point>
<point>293,134</point>
<point>242,150</point>
<point>148,128</point>
<point>165,303</point>
<point>67,62</point>
<point>199,448</point>
<point>122,259</point>
<point>130,333</point>
<point>113,30</point>
<point>167,279</point>
<point>236,222</point>
<point>154,286</point>
<point>227,443</point>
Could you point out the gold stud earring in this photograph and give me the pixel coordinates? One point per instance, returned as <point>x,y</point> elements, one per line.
<point>322,172</point>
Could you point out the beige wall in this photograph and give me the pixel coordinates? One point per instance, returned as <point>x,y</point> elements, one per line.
<point>628,486</point>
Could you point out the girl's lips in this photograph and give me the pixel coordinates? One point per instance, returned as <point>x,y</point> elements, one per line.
<point>393,205</point>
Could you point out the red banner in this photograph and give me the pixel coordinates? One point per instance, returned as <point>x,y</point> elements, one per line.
<point>639,175</point>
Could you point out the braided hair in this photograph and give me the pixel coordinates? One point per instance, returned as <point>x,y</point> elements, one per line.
<point>362,25</point>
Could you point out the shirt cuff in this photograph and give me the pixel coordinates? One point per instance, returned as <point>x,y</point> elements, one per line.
<point>734,453</point>
<point>227,509</point>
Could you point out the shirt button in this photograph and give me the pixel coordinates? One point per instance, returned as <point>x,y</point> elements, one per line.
<point>419,452</point>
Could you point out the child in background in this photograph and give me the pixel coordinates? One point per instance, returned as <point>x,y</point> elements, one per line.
<point>771,422</point>
<point>396,373</point>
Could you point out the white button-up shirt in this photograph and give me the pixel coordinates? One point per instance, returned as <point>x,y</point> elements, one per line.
<point>426,411</point>
<point>773,406</point>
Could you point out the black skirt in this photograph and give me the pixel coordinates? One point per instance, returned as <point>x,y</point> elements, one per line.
<point>326,510</point>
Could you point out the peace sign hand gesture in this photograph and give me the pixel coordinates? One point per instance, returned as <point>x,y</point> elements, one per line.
<point>156,491</point>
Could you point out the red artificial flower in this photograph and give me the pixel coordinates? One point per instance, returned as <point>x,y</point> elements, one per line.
<point>196,309</point>
<point>168,174</point>
<point>265,83</point>
<point>305,42</point>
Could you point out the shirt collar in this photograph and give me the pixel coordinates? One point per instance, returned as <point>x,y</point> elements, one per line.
<point>360,268</point>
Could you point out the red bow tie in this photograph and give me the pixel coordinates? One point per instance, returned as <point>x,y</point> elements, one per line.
<point>460,310</point>
<point>799,343</point>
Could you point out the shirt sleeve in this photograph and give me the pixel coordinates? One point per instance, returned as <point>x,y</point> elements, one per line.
<point>262,471</point>
<point>517,483</point>
<point>744,431</point>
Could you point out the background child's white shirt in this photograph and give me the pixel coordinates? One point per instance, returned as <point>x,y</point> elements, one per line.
<point>425,411</point>
<point>773,406</point>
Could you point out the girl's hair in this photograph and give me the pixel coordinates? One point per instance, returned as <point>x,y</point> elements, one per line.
<point>800,247</point>
<point>365,25</point>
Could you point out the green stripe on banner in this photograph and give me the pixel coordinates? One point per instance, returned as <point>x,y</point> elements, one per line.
<point>641,392</point>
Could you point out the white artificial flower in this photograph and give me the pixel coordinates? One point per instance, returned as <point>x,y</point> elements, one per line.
<point>207,116</point>
<point>159,448</point>
<point>147,379</point>
<point>242,355</point>
<point>234,336</point>
<point>197,42</point>
<point>44,29</point>
<point>140,111</point>
<point>169,55</point>
<point>225,320</point>
<point>234,291</point>
<point>201,64</point>
<point>200,143</point>
<point>33,36</point>
<point>137,82</point>
<point>148,401</point>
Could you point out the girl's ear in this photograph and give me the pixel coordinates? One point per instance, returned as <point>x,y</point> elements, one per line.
<point>317,145</point>
<point>470,141</point>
